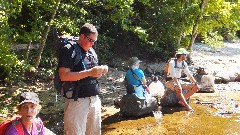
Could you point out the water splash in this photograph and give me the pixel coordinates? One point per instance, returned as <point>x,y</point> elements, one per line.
<point>158,116</point>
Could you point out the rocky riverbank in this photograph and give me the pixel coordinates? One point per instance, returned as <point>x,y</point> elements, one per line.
<point>223,63</point>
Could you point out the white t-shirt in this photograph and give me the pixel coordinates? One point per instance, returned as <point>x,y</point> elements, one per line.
<point>177,72</point>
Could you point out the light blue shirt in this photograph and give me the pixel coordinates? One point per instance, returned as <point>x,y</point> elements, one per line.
<point>139,90</point>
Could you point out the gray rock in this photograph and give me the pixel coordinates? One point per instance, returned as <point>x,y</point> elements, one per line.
<point>207,84</point>
<point>132,106</point>
<point>170,98</point>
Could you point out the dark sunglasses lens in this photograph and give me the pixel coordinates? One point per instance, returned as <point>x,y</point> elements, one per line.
<point>90,40</point>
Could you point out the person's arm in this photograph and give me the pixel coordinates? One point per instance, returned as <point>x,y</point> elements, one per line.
<point>189,75</point>
<point>66,74</point>
<point>144,81</point>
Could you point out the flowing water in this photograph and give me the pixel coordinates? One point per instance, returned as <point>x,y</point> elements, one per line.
<point>215,114</point>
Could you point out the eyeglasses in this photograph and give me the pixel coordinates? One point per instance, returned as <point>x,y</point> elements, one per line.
<point>89,39</point>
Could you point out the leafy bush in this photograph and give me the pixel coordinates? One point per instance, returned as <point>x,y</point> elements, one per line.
<point>12,69</point>
<point>103,48</point>
<point>8,62</point>
<point>214,40</point>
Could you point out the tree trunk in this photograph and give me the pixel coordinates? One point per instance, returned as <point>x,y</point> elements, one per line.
<point>28,50</point>
<point>195,27</point>
<point>45,34</point>
<point>193,37</point>
<point>180,38</point>
<point>182,22</point>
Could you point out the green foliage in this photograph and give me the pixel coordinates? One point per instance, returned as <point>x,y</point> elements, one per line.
<point>221,16</point>
<point>4,110</point>
<point>45,73</point>
<point>12,69</point>
<point>126,27</point>
<point>103,48</point>
<point>214,40</point>
<point>10,98</point>
<point>227,34</point>
<point>8,62</point>
<point>185,41</point>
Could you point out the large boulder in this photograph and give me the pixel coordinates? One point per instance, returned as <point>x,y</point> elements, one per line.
<point>206,82</point>
<point>170,98</point>
<point>133,106</point>
<point>229,74</point>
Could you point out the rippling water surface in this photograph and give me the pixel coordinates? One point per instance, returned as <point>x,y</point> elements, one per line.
<point>215,113</point>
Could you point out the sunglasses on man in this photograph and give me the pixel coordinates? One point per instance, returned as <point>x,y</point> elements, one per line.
<point>89,39</point>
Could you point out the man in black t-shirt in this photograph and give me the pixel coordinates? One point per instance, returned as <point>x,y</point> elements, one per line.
<point>82,108</point>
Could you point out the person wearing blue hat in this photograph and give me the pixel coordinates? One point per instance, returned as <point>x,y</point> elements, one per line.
<point>173,82</point>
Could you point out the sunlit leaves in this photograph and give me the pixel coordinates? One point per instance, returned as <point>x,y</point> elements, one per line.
<point>214,40</point>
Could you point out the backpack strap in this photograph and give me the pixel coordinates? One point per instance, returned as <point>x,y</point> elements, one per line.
<point>183,64</point>
<point>18,126</point>
<point>38,124</point>
<point>76,61</point>
<point>78,53</point>
<point>175,66</point>
<point>135,76</point>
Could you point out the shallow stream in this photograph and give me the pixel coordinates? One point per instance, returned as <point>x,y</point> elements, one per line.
<point>215,113</point>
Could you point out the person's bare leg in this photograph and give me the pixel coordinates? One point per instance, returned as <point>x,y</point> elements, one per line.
<point>191,90</point>
<point>181,97</point>
<point>183,100</point>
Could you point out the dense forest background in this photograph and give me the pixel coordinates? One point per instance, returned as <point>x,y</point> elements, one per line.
<point>149,29</point>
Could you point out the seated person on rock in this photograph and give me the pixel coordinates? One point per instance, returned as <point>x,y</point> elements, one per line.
<point>27,123</point>
<point>173,82</point>
<point>136,78</point>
